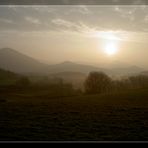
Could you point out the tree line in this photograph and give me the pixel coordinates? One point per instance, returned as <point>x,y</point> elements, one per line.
<point>99,82</point>
<point>95,83</point>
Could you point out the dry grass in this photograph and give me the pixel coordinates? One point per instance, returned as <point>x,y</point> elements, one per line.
<point>115,116</point>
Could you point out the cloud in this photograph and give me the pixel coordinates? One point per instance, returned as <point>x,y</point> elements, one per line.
<point>12,7</point>
<point>78,27</point>
<point>33,20</point>
<point>73,18</point>
<point>44,9</point>
<point>126,12</point>
<point>139,2</point>
<point>82,9</point>
<point>61,22</point>
<point>146,19</point>
<point>3,20</point>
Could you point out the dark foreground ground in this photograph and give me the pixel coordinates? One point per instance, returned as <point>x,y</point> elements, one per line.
<point>112,117</point>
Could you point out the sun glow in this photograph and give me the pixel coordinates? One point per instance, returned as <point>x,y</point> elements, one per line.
<point>110,41</point>
<point>111,48</point>
<point>109,35</point>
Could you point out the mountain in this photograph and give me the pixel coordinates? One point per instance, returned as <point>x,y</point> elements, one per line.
<point>15,61</point>
<point>116,64</point>
<point>127,70</point>
<point>73,67</point>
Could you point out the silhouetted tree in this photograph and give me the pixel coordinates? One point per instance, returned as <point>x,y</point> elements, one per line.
<point>97,82</point>
<point>140,81</point>
<point>120,85</point>
<point>23,82</point>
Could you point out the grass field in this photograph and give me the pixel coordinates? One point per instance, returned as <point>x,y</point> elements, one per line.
<point>121,116</point>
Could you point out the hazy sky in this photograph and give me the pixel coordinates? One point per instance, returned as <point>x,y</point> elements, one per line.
<point>77,33</point>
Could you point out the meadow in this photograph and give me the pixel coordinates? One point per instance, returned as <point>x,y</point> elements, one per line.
<point>35,116</point>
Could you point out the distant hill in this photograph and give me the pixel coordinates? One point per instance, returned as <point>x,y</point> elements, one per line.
<point>73,67</point>
<point>116,64</point>
<point>127,70</point>
<point>15,61</point>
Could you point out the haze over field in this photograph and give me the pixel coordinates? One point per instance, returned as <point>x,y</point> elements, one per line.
<point>92,35</point>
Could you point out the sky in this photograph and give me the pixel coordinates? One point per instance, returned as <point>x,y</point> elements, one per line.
<point>91,34</point>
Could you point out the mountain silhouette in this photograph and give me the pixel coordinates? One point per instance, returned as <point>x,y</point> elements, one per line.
<point>15,61</point>
<point>73,67</point>
<point>18,62</point>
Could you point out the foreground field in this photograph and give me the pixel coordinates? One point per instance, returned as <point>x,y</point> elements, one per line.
<point>115,116</point>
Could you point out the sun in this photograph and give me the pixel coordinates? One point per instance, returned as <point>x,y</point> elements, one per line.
<point>111,48</point>
<point>110,40</point>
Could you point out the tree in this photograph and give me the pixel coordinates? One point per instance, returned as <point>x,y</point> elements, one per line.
<point>23,82</point>
<point>140,81</point>
<point>97,82</point>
